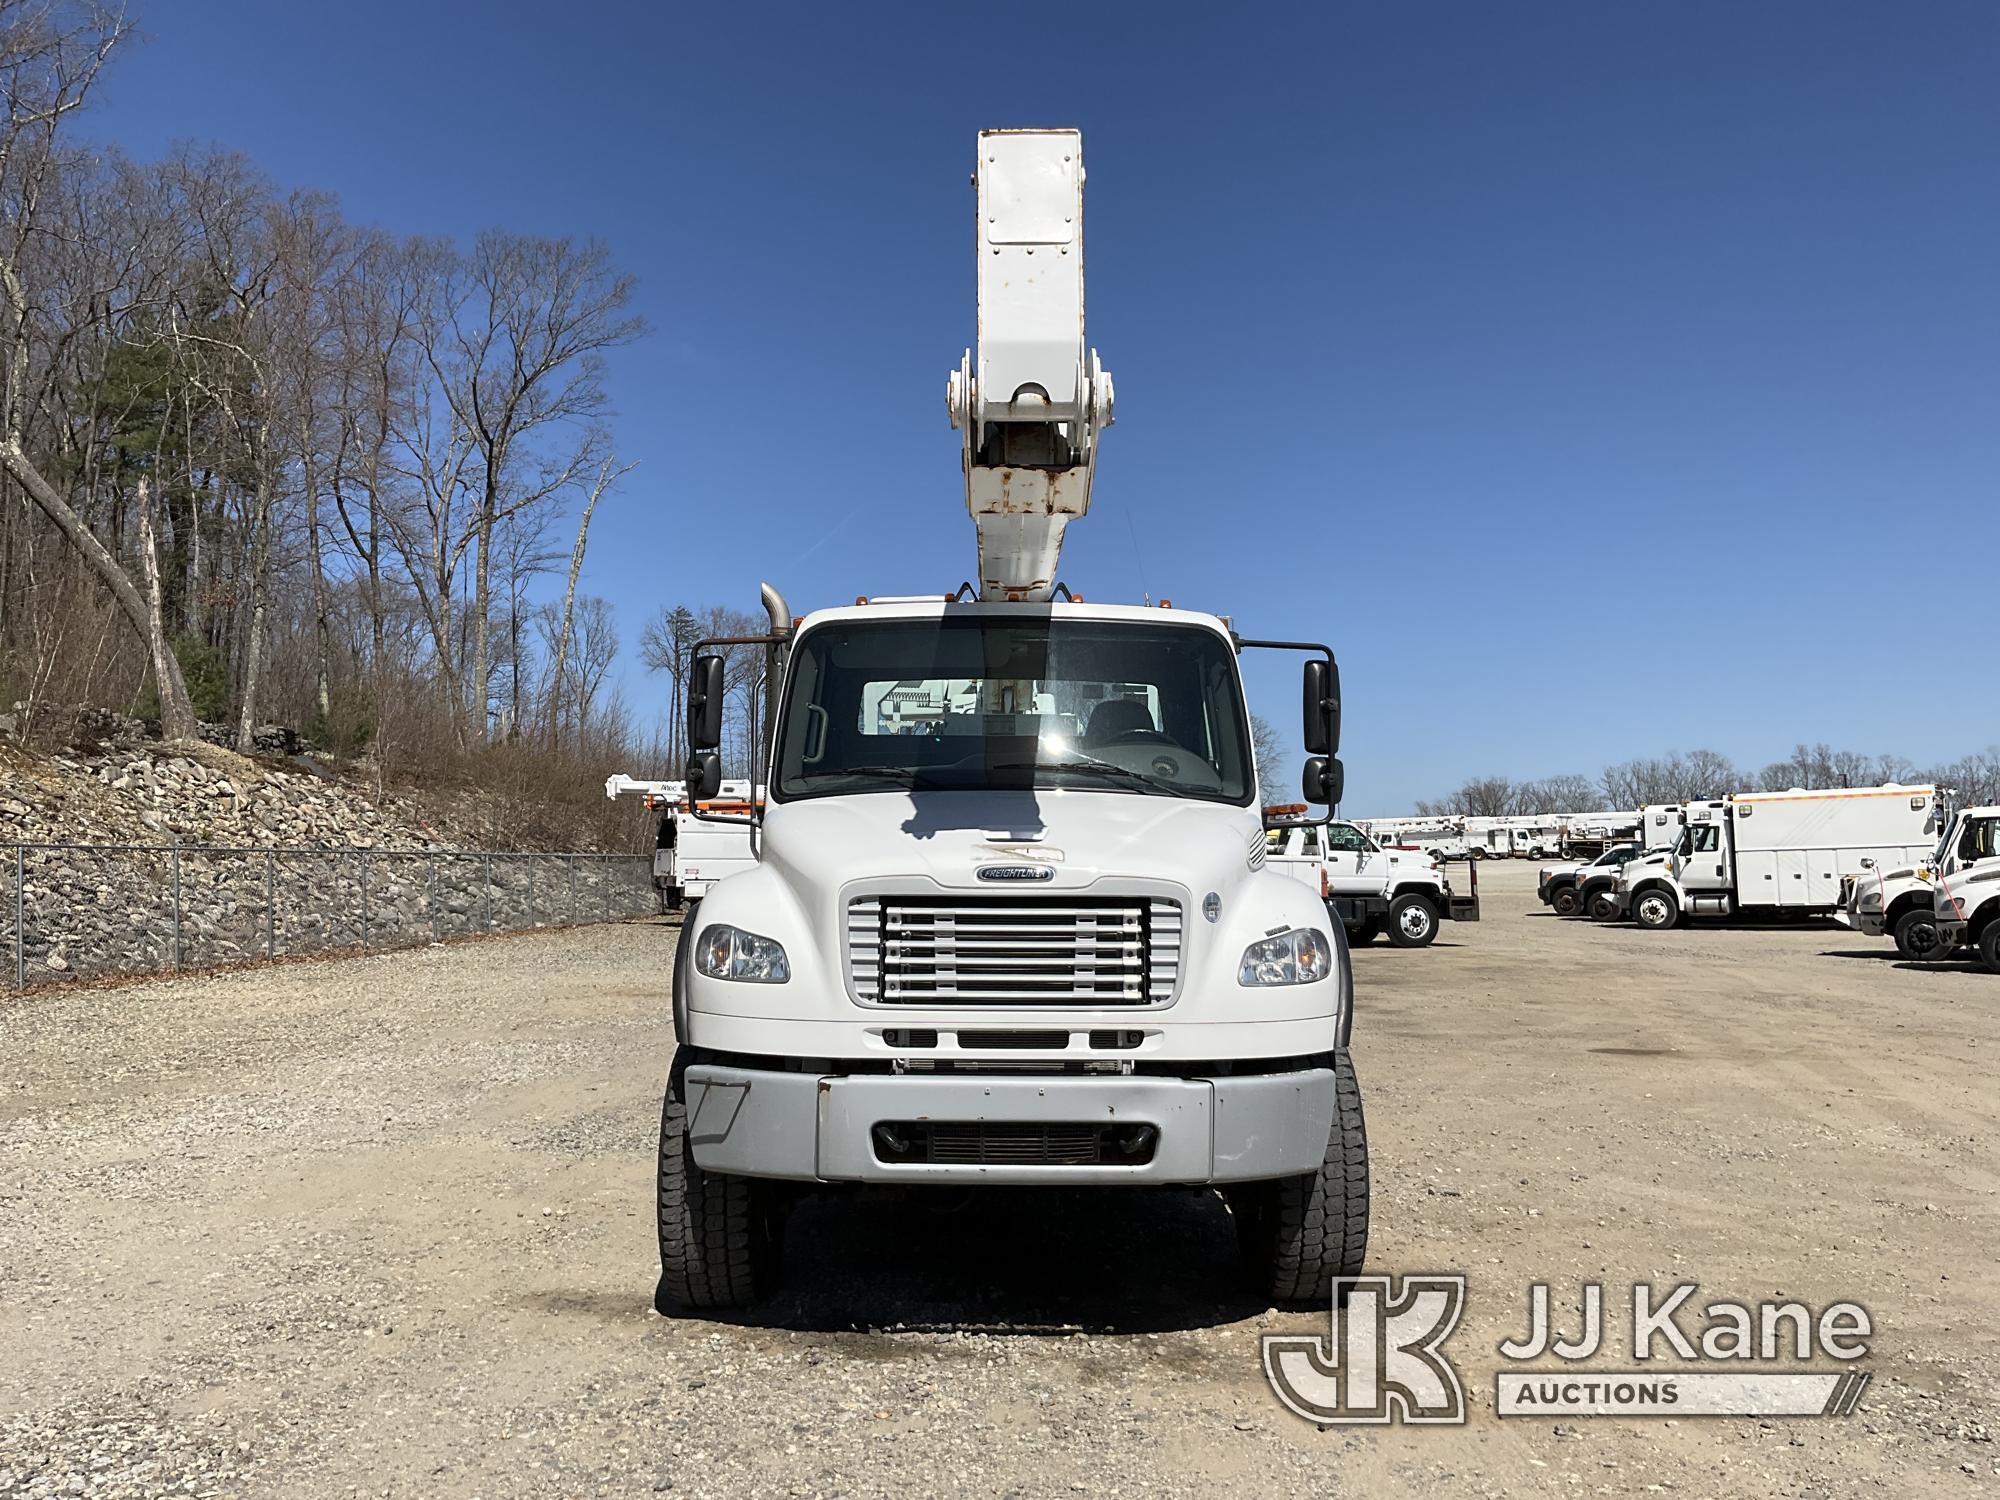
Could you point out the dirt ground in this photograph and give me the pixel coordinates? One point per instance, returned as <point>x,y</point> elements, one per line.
<point>384,1226</point>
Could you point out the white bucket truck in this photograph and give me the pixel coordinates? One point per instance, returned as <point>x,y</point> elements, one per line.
<point>691,854</point>
<point>1027,933</point>
<point>1776,852</point>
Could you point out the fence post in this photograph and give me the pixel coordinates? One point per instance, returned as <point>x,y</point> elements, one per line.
<point>364,898</point>
<point>270,904</point>
<point>570,863</point>
<point>604,884</point>
<point>177,907</point>
<point>486,891</point>
<point>531,890</point>
<point>20,918</point>
<point>431,900</point>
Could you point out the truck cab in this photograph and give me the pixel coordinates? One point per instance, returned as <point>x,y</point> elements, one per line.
<point>1030,935</point>
<point>1900,902</point>
<point>1967,886</point>
<point>1369,888</point>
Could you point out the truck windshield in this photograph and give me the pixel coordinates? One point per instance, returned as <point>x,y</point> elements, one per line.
<point>983,703</point>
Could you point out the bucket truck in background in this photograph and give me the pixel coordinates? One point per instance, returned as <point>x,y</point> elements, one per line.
<point>1011,920</point>
<point>690,854</point>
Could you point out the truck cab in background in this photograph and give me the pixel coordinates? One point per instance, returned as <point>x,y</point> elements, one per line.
<point>1369,888</point>
<point>1560,886</point>
<point>1967,886</point>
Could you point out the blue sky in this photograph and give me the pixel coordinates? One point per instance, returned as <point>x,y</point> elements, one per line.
<point>1599,379</point>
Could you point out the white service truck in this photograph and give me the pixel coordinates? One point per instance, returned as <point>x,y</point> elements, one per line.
<point>691,854</point>
<point>1371,889</point>
<point>1967,899</point>
<point>1900,902</point>
<point>1774,852</point>
<point>1028,934</point>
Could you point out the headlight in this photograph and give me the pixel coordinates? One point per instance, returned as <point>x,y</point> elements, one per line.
<point>1300,956</point>
<point>726,952</point>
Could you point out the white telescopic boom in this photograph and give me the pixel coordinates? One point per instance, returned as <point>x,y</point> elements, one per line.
<point>1033,404</point>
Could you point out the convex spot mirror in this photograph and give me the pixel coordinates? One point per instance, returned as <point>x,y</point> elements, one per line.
<point>1324,779</point>
<point>704,775</point>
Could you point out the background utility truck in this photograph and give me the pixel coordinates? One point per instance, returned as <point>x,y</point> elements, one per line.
<point>1778,852</point>
<point>1968,886</point>
<point>1901,902</point>
<point>1369,888</point>
<point>1030,935</point>
<point>689,854</point>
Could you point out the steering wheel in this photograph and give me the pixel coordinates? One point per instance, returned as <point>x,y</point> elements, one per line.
<point>1143,737</point>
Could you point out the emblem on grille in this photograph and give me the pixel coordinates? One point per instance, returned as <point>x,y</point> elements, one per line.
<point>1015,872</point>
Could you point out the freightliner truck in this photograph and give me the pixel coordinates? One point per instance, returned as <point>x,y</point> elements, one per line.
<point>1011,920</point>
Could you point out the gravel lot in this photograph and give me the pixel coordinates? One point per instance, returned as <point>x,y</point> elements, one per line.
<point>384,1226</point>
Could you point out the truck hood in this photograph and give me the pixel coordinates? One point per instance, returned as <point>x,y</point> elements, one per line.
<point>1076,837</point>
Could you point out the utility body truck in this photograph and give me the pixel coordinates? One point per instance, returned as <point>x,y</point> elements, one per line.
<point>1783,853</point>
<point>1017,924</point>
<point>691,854</point>
<point>1963,879</point>
<point>1369,888</point>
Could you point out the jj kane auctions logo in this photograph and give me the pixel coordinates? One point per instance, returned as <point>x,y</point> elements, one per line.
<point>1383,1358</point>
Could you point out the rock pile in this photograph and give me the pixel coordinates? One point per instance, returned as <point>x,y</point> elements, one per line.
<point>135,856</point>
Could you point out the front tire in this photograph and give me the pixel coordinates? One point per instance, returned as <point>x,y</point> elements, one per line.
<point>1917,936</point>
<point>720,1237</point>
<point>1603,907</point>
<point>1989,945</point>
<point>1302,1235</point>
<point>1413,921</point>
<point>1565,901</point>
<point>1656,909</point>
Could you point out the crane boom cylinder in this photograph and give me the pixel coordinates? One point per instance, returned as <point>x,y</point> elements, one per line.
<point>1032,399</point>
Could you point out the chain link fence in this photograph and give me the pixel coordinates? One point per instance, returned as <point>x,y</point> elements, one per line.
<point>94,910</point>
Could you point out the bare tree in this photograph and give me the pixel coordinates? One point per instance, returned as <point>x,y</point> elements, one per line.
<point>1267,750</point>
<point>607,473</point>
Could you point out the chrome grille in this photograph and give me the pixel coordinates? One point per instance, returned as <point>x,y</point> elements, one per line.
<point>1010,950</point>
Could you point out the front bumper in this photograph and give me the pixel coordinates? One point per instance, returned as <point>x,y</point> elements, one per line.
<point>813,1127</point>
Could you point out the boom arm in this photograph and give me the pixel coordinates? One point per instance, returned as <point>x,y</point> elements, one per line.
<point>1033,405</point>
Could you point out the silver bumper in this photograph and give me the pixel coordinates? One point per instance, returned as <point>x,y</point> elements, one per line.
<point>821,1128</point>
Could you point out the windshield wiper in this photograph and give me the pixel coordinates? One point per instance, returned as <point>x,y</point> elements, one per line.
<point>1126,774</point>
<point>907,775</point>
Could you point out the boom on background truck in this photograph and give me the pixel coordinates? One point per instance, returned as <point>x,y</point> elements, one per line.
<point>1011,920</point>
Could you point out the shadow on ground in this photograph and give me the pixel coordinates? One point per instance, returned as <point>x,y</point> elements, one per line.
<point>1016,1260</point>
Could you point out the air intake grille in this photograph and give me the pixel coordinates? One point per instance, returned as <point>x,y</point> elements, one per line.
<point>1003,950</point>
<point>997,1144</point>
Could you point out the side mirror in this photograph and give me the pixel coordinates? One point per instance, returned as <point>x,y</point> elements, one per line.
<point>1324,779</point>
<point>705,695</point>
<point>1867,863</point>
<point>704,776</point>
<point>1321,702</point>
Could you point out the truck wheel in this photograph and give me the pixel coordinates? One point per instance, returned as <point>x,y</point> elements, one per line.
<point>1656,909</point>
<point>1300,1235</point>
<point>1603,907</point>
<point>720,1237</point>
<point>1989,945</point>
<point>1917,936</point>
<point>1565,901</point>
<point>1413,921</point>
<point>1365,933</point>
